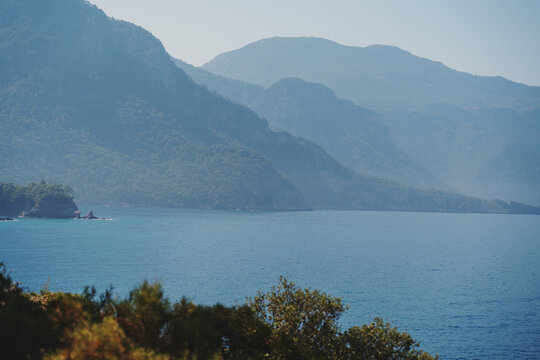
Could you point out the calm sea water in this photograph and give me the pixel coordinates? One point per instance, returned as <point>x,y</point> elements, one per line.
<point>466,285</point>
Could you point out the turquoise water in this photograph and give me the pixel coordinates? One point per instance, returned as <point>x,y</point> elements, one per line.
<point>466,285</point>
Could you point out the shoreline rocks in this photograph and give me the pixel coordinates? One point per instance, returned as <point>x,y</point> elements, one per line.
<point>89,216</point>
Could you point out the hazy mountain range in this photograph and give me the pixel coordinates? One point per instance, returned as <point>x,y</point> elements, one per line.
<point>444,128</point>
<point>461,146</point>
<point>353,135</point>
<point>99,104</point>
<point>378,77</point>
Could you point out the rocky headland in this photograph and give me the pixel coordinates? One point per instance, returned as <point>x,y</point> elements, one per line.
<point>37,200</point>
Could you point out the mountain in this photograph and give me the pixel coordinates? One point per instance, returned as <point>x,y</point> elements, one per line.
<point>378,77</point>
<point>465,148</point>
<point>516,163</point>
<point>450,123</point>
<point>98,103</point>
<point>238,91</point>
<point>353,135</point>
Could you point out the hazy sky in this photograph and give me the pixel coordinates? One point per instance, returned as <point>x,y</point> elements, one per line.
<point>484,37</point>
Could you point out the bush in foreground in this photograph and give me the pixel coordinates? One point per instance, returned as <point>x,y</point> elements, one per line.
<point>287,323</point>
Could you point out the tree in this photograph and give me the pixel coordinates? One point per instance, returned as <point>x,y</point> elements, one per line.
<point>105,340</point>
<point>25,325</point>
<point>285,323</point>
<point>145,314</point>
<point>303,321</point>
<point>379,341</point>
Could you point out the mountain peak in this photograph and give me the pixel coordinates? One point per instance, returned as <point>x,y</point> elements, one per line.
<point>381,77</point>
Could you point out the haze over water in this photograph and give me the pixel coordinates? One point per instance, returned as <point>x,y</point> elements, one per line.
<point>465,285</point>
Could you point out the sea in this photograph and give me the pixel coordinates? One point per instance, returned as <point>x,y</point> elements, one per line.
<point>467,286</point>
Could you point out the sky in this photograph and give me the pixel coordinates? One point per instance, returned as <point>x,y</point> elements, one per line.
<point>482,37</point>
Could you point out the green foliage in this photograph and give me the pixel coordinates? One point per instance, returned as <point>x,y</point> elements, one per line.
<point>199,332</point>
<point>98,306</point>
<point>34,191</point>
<point>105,341</point>
<point>304,322</point>
<point>145,315</point>
<point>26,325</point>
<point>286,323</point>
<point>379,340</point>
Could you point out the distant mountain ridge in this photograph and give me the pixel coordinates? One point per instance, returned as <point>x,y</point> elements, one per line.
<point>353,135</point>
<point>98,103</point>
<point>450,123</point>
<point>350,133</point>
<point>516,163</point>
<point>378,77</point>
<point>457,145</point>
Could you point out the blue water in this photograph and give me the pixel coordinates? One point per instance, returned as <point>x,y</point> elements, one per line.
<point>466,285</point>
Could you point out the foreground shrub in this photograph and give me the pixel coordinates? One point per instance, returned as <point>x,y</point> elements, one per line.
<point>145,315</point>
<point>304,322</point>
<point>379,340</point>
<point>287,323</point>
<point>105,341</point>
<point>26,325</point>
<point>200,332</point>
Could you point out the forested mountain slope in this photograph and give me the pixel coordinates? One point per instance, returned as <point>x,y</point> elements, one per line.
<point>450,123</point>
<point>353,135</point>
<point>98,103</point>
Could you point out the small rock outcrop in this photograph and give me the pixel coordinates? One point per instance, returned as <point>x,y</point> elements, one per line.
<point>6,219</point>
<point>90,216</point>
